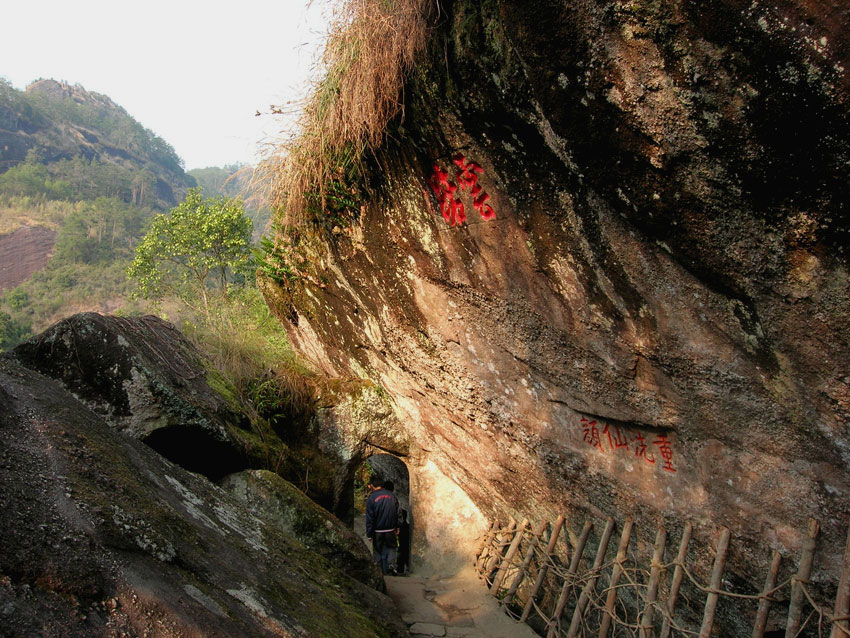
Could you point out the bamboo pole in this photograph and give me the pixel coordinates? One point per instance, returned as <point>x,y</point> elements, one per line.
<point>555,621</point>
<point>584,598</point>
<point>715,584</point>
<point>616,573</point>
<point>523,569</point>
<point>842,596</point>
<point>795,610</point>
<point>676,583</point>
<point>484,553</point>
<point>506,561</point>
<point>541,575</point>
<point>495,558</point>
<point>485,542</point>
<point>765,598</point>
<point>652,588</point>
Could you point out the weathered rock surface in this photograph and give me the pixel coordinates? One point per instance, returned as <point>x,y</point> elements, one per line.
<point>267,494</point>
<point>102,536</point>
<point>147,380</point>
<point>655,322</point>
<point>23,252</point>
<point>354,420</point>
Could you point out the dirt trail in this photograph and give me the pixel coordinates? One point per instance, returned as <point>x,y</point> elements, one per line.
<point>436,603</point>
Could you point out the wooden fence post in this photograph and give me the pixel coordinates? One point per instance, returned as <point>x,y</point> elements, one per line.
<point>523,569</point>
<point>506,561</point>
<point>767,592</point>
<point>795,610</point>
<point>842,596</point>
<point>485,544</point>
<point>714,586</point>
<point>652,588</point>
<point>676,583</point>
<point>616,573</point>
<point>497,552</point>
<point>541,575</point>
<point>584,598</point>
<point>555,621</point>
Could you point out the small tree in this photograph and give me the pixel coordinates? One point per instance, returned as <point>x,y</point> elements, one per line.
<point>196,248</point>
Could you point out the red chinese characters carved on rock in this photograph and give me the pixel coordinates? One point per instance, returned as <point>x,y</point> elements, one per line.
<point>448,195</point>
<point>621,439</point>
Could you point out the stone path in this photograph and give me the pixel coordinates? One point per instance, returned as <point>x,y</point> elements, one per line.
<point>453,606</point>
<point>456,605</point>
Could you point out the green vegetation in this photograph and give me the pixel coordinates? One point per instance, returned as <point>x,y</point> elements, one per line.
<point>201,255</point>
<point>362,478</point>
<point>12,331</point>
<point>202,244</point>
<point>77,163</point>
<point>221,180</point>
<point>83,146</point>
<point>252,366</point>
<point>94,244</point>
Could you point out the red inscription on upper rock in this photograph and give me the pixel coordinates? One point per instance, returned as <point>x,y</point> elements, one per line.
<point>448,197</point>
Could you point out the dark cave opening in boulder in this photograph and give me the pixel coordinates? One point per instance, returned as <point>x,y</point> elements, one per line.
<point>198,451</point>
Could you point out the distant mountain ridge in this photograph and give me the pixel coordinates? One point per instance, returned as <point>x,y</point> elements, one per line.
<point>61,122</point>
<point>80,180</point>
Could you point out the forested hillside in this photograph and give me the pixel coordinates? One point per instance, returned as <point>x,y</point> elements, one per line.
<point>235,181</point>
<point>80,180</point>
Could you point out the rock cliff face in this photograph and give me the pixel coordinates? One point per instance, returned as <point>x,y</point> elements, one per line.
<point>23,252</point>
<point>654,323</point>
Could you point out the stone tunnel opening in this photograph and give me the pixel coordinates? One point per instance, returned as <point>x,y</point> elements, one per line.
<point>392,468</point>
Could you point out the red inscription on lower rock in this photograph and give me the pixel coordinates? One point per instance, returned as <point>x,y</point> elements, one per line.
<point>622,441</point>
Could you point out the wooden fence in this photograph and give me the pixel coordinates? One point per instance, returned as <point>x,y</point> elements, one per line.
<point>561,592</point>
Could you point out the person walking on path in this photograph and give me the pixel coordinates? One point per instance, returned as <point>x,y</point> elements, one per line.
<point>382,518</point>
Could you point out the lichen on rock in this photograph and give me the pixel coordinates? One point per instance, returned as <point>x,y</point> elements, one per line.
<point>297,516</point>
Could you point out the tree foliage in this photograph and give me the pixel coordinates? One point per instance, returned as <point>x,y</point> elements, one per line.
<point>201,245</point>
<point>99,231</point>
<point>12,331</point>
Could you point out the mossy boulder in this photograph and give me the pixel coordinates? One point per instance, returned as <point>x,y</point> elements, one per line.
<point>146,379</point>
<point>296,515</point>
<point>102,536</point>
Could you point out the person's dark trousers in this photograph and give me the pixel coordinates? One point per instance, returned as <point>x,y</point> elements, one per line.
<point>404,548</point>
<point>384,550</point>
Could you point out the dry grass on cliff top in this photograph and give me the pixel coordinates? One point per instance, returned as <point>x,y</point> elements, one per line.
<point>371,46</point>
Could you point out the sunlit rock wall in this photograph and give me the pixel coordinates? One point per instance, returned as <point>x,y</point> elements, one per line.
<point>655,321</point>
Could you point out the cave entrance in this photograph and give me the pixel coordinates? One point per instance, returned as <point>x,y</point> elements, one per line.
<point>392,468</point>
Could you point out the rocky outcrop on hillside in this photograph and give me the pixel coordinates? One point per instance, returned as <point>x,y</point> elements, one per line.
<point>103,536</point>
<point>61,121</point>
<point>650,317</point>
<point>23,252</point>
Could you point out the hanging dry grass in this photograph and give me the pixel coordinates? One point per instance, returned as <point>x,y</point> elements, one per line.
<point>372,44</point>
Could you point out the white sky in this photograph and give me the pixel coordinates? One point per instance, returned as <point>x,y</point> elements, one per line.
<point>194,72</point>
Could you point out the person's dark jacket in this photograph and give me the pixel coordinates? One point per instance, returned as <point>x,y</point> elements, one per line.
<point>382,512</point>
